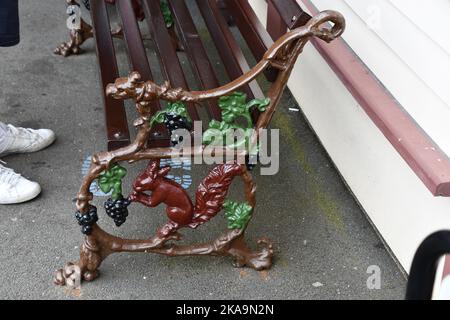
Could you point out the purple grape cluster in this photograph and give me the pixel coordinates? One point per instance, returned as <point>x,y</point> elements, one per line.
<point>117,210</point>
<point>87,220</point>
<point>173,122</point>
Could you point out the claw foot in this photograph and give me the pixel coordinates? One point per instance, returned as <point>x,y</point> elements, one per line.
<point>72,275</point>
<point>259,260</point>
<point>77,38</point>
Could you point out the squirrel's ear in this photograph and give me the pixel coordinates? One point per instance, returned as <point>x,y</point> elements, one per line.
<point>134,77</point>
<point>164,172</point>
<point>153,166</point>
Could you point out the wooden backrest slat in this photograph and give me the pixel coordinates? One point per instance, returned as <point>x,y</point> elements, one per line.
<point>137,55</point>
<point>291,13</point>
<point>170,64</point>
<point>116,120</point>
<point>253,31</point>
<point>196,52</point>
<point>230,52</point>
<point>133,40</point>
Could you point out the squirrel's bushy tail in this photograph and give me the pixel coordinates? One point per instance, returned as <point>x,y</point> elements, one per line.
<point>211,193</point>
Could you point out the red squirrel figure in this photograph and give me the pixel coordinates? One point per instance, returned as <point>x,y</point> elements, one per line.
<point>209,197</point>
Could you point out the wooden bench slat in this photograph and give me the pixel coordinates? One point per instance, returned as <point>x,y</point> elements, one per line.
<point>291,13</point>
<point>170,64</point>
<point>200,63</point>
<point>116,121</point>
<point>230,52</point>
<point>254,33</point>
<point>137,55</point>
<point>133,40</point>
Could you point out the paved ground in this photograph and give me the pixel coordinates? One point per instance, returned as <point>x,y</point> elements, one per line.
<point>323,242</point>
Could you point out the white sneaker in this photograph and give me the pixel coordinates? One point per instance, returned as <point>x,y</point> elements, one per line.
<point>24,140</point>
<point>16,189</point>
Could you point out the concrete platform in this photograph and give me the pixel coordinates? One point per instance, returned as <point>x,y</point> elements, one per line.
<point>323,241</point>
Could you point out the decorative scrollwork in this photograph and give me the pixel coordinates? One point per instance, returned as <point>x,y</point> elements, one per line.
<point>211,194</point>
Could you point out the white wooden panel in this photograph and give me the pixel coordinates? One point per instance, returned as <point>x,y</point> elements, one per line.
<point>422,54</point>
<point>432,17</point>
<point>418,99</point>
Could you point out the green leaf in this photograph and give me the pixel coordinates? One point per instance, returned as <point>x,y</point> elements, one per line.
<point>237,214</point>
<point>111,180</point>
<point>178,108</point>
<point>167,14</point>
<point>213,136</point>
<point>261,104</point>
<point>158,118</point>
<point>214,124</point>
<point>233,106</point>
<point>217,133</point>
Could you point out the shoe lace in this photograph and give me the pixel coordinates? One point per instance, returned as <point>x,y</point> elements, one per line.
<point>25,132</point>
<point>8,175</point>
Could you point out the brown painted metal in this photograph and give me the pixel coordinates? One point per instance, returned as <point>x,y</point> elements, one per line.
<point>196,52</point>
<point>99,244</point>
<point>79,36</point>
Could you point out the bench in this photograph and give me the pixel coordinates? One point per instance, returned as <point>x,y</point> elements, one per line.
<point>173,29</point>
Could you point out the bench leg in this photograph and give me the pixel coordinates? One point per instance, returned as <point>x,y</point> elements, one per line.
<point>77,38</point>
<point>79,35</point>
<point>100,245</point>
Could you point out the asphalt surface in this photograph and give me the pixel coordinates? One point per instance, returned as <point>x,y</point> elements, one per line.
<point>323,242</point>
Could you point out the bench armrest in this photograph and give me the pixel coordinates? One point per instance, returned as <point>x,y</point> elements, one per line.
<point>282,56</point>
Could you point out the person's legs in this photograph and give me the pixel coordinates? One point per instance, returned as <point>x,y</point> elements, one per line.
<point>13,187</point>
<point>9,23</point>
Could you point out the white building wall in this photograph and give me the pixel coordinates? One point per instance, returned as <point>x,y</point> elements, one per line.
<point>395,199</point>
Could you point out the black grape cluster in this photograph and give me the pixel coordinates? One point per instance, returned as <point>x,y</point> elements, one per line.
<point>87,220</point>
<point>87,4</point>
<point>117,210</point>
<point>251,161</point>
<point>174,122</point>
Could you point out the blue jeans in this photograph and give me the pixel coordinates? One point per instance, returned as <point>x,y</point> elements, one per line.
<point>9,23</point>
<point>9,36</point>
